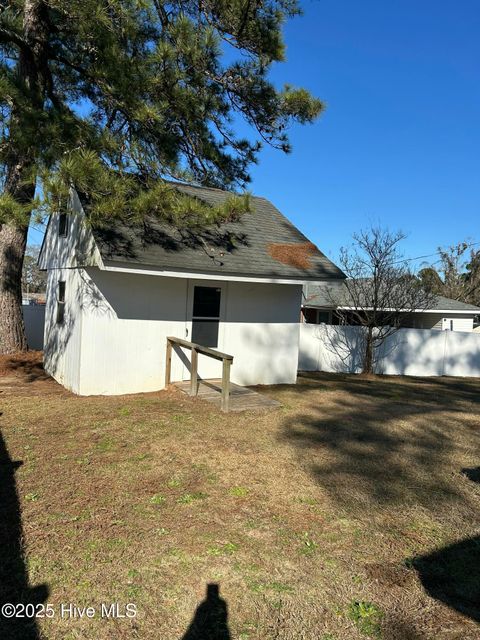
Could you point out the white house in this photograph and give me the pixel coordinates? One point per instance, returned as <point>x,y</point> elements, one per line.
<point>115,294</point>
<point>443,313</point>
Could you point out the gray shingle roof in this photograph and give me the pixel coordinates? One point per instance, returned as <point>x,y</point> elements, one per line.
<point>454,305</point>
<point>241,248</point>
<point>319,296</point>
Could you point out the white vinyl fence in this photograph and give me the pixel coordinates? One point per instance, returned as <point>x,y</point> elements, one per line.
<point>412,352</point>
<point>34,318</point>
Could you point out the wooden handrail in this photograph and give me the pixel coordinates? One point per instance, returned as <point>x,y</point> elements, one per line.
<point>213,353</point>
<point>207,351</point>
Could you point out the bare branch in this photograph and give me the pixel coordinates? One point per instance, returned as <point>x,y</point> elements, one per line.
<point>380,290</point>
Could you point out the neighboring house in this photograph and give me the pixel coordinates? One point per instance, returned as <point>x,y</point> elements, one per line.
<point>444,314</point>
<point>115,294</point>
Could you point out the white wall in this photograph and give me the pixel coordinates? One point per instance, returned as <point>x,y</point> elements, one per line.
<point>445,322</point>
<point>262,332</point>
<point>62,342</point>
<point>77,248</point>
<point>34,319</point>
<point>114,337</point>
<point>126,320</point>
<point>460,323</point>
<point>415,352</point>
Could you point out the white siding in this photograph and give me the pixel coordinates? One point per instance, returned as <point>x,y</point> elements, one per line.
<point>62,342</point>
<point>78,248</point>
<point>462,323</point>
<point>113,340</point>
<point>444,322</point>
<point>262,332</point>
<point>126,320</point>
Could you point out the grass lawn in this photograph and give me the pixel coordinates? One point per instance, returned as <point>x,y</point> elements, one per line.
<point>351,512</point>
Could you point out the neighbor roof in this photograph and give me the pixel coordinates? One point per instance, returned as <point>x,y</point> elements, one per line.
<point>262,243</point>
<point>322,296</point>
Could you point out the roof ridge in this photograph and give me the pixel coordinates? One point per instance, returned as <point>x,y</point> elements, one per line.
<point>201,186</point>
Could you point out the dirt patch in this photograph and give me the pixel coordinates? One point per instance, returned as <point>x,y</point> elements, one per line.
<point>27,365</point>
<point>390,575</point>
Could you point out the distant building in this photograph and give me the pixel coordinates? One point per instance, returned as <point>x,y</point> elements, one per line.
<point>444,314</point>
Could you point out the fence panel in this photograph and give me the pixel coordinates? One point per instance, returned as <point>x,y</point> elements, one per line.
<point>34,318</point>
<point>413,352</point>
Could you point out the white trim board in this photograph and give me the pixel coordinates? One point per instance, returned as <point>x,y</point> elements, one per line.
<point>204,276</point>
<point>439,311</point>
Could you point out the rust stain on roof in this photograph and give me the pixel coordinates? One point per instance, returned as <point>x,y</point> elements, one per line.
<point>296,254</point>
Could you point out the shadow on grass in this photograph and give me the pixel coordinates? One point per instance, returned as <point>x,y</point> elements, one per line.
<point>391,443</point>
<point>384,441</point>
<point>210,621</point>
<point>14,587</point>
<point>472,474</point>
<point>452,575</point>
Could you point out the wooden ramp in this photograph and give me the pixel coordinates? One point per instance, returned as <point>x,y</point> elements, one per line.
<point>241,398</point>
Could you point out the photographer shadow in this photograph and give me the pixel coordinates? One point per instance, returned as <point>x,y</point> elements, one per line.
<point>210,621</point>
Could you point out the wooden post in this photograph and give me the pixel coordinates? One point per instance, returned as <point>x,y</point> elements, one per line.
<point>194,373</point>
<point>226,385</point>
<point>211,353</point>
<point>168,363</point>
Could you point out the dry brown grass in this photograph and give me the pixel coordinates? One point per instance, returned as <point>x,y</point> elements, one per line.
<point>295,513</point>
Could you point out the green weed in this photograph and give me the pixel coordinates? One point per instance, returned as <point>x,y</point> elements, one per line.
<point>239,492</point>
<point>309,546</point>
<point>366,616</point>
<point>188,498</point>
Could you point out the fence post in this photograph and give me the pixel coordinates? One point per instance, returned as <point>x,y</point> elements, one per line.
<point>444,359</point>
<point>168,364</point>
<point>194,373</point>
<point>226,385</point>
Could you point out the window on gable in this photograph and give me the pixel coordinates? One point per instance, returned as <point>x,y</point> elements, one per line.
<point>61,302</point>
<point>63,225</point>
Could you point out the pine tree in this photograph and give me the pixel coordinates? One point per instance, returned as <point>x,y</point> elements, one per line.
<point>114,95</point>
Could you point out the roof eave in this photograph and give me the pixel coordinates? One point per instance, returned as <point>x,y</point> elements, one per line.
<point>114,266</point>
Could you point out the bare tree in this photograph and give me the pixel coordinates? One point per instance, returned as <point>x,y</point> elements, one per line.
<point>380,290</point>
<point>457,274</point>
<point>33,279</point>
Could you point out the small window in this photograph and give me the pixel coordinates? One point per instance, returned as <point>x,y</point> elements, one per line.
<point>61,302</point>
<point>206,316</point>
<point>63,225</point>
<point>323,317</point>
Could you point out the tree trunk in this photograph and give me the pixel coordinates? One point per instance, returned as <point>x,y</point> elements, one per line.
<point>13,241</point>
<point>368,359</point>
<point>20,176</point>
<point>12,329</point>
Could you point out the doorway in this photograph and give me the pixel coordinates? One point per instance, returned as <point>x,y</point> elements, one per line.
<point>204,325</point>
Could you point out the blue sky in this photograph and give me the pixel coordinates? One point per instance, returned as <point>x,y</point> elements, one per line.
<point>399,142</point>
